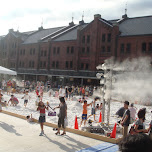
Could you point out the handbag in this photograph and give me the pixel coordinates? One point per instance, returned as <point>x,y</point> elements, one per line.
<point>65,122</point>
<point>51,113</point>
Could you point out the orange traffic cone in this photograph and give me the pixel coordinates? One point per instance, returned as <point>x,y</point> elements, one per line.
<point>113,134</point>
<point>76,123</point>
<point>100,117</point>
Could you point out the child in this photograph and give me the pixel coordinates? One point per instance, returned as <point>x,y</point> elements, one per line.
<point>41,91</point>
<point>100,107</point>
<point>97,107</point>
<point>80,100</point>
<point>29,119</point>
<point>38,100</point>
<point>37,92</point>
<point>14,100</point>
<point>26,98</point>
<point>84,113</point>
<point>93,108</point>
<point>41,108</point>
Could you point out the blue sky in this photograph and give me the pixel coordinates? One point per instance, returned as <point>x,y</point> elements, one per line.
<point>28,15</point>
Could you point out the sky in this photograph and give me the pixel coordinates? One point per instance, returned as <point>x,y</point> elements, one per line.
<point>31,14</point>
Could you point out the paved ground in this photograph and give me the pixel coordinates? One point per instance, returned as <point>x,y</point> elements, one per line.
<point>17,135</point>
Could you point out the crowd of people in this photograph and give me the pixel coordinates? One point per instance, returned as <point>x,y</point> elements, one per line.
<point>128,115</point>
<point>132,126</point>
<point>63,93</point>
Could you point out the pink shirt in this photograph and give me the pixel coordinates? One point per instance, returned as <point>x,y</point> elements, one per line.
<point>132,112</point>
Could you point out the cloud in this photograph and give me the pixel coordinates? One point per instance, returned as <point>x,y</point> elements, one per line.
<point>28,16</point>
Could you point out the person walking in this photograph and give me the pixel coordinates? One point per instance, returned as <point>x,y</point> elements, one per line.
<point>62,115</point>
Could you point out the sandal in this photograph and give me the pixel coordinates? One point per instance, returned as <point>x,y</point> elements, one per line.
<point>57,133</point>
<point>64,133</point>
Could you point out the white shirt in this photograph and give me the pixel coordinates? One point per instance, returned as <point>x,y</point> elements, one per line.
<point>61,92</point>
<point>132,112</point>
<point>26,97</point>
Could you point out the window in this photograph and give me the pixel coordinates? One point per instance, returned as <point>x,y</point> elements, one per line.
<point>42,53</point>
<point>15,44</point>
<point>57,64</point>
<point>24,52</point>
<point>103,37</point>
<point>66,64</point>
<point>109,38</point>
<point>41,64</point>
<point>88,50</point>
<point>53,64</point>
<point>33,51</point>
<point>20,64</point>
<point>83,50</point>
<point>150,47</point>
<point>128,48</point>
<point>32,64</point>
<point>103,48</point>
<point>44,64</point>
<point>82,65</point>
<point>23,64</point>
<point>88,38</point>
<point>45,53</point>
<point>58,50</point>
<point>108,49</point>
<point>122,47</point>
<point>143,47</point>
<point>54,50</point>
<point>71,64</point>
<point>72,50</point>
<point>68,50</point>
<point>87,66</point>
<point>83,39</point>
<point>20,52</point>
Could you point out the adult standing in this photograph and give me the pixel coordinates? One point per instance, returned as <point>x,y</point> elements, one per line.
<point>62,115</point>
<point>61,92</point>
<point>70,92</point>
<point>132,113</point>
<point>48,85</point>
<point>125,119</point>
<point>9,87</point>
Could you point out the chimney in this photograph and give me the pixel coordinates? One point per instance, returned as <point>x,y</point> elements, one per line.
<point>11,30</point>
<point>81,22</point>
<point>124,16</point>
<point>97,16</point>
<point>40,28</point>
<point>71,23</point>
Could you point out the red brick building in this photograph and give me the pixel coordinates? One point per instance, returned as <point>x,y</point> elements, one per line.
<point>72,53</point>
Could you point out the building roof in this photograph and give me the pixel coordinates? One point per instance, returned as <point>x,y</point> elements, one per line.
<point>106,22</point>
<point>36,36</point>
<point>71,34</point>
<point>136,26</point>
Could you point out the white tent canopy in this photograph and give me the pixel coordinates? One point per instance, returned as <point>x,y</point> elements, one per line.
<point>7,71</point>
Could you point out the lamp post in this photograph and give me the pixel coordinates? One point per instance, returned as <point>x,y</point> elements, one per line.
<point>106,82</point>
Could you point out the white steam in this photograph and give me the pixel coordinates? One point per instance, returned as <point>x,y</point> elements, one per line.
<point>131,80</point>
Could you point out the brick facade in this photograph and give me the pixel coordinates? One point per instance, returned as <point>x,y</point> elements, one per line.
<point>72,51</point>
